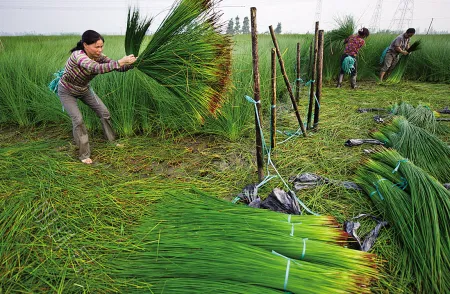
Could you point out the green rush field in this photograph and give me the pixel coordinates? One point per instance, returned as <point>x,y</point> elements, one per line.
<point>48,198</point>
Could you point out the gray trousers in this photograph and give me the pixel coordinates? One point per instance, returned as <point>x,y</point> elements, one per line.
<point>80,135</point>
<point>390,61</point>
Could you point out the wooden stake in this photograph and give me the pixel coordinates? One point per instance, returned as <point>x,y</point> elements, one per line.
<point>286,81</point>
<point>310,57</point>
<point>297,81</point>
<point>319,80</point>
<point>313,76</point>
<point>273,120</point>
<point>256,94</point>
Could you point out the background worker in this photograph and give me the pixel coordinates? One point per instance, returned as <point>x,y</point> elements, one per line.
<point>352,45</point>
<point>400,45</point>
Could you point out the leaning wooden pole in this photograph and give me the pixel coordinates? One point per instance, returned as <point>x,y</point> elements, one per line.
<point>319,80</point>
<point>286,80</point>
<point>257,95</point>
<point>273,116</point>
<point>297,81</point>
<point>313,76</point>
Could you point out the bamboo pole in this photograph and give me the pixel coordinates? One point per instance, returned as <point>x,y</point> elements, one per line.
<point>286,81</point>
<point>256,94</point>
<point>313,76</point>
<point>319,80</point>
<point>273,117</point>
<point>297,81</point>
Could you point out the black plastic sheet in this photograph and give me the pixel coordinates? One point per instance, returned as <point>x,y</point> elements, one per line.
<point>352,227</point>
<point>309,181</point>
<point>357,142</point>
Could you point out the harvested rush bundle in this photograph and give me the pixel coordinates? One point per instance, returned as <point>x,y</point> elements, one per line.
<point>417,144</point>
<point>188,55</point>
<point>136,29</point>
<point>417,207</point>
<point>421,116</point>
<point>346,28</point>
<point>192,237</point>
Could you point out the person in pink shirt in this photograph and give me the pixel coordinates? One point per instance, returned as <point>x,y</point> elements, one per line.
<point>85,63</point>
<point>352,45</point>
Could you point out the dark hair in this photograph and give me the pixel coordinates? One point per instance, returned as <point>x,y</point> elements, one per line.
<point>411,31</point>
<point>89,37</point>
<point>363,33</point>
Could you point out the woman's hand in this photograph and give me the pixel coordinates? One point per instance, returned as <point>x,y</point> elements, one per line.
<point>127,60</point>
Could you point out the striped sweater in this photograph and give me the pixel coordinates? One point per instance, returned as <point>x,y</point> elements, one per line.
<point>80,70</point>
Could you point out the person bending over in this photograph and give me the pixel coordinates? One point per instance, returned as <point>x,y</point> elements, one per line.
<point>84,64</point>
<point>400,45</point>
<point>352,45</point>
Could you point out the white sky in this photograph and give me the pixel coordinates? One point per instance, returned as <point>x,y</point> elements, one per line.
<point>296,16</point>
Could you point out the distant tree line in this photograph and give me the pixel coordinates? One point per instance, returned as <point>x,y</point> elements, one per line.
<point>234,26</point>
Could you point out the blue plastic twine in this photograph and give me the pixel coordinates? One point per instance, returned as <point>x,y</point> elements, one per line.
<point>398,165</point>
<point>304,247</point>
<point>269,160</point>
<point>286,278</point>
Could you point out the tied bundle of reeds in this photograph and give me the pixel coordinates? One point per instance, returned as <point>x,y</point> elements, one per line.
<point>418,145</point>
<point>193,237</point>
<point>417,207</point>
<point>421,116</point>
<point>187,54</point>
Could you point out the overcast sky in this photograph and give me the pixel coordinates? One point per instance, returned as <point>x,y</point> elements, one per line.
<point>296,16</point>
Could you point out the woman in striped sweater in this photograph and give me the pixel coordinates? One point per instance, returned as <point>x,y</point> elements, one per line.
<point>86,62</point>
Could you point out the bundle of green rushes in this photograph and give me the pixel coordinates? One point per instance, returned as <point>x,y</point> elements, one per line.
<point>187,54</point>
<point>400,68</point>
<point>421,116</point>
<point>417,144</point>
<point>346,28</point>
<point>417,207</point>
<point>193,243</point>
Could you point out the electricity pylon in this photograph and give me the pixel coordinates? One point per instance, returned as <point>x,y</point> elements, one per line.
<point>403,16</point>
<point>375,21</point>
